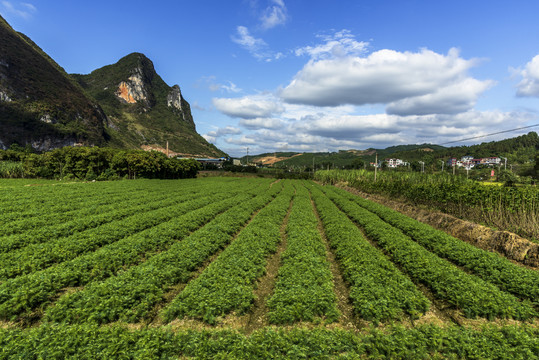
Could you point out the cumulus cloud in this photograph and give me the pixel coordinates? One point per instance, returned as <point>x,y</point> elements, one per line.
<point>248,107</point>
<point>261,123</point>
<point>452,99</point>
<point>529,86</point>
<point>213,135</point>
<point>347,126</point>
<point>23,10</point>
<point>243,140</point>
<point>434,128</point>
<point>228,130</point>
<point>330,132</point>
<point>405,79</point>
<point>209,138</point>
<point>340,44</point>
<point>274,15</point>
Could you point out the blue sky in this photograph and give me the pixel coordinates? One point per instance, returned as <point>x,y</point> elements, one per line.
<point>283,75</point>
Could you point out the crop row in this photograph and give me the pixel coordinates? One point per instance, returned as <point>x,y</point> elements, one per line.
<point>40,239</point>
<point>304,287</point>
<point>131,295</point>
<point>378,290</point>
<point>52,341</point>
<point>31,201</point>
<point>62,199</point>
<point>489,266</point>
<point>227,283</point>
<point>466,292</point>
<point>24,293</point>
<point>38,256</point>
<point>103,203</point>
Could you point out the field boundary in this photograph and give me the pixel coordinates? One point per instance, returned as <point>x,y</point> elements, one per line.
<point>510,245</point>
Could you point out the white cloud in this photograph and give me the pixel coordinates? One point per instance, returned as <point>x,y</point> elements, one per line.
<point>529,86</point>
<point>244,140</point>
<point>405,79</point>
<point>231,88</point>
<point>340,44</point>
<point>248,107</point>
<point>330,132</point>
<point>228,130</point>
<point>455,98</point>
<point>257,47</point>
<point>213,85</point>
<point>347,126</point>
<point>262,123</point>
<point>410,129</point>
<point>274,15</point>
<point>209,138</point>
<point>23,10</point>
<point>247,41</point>
<point>213,135</point>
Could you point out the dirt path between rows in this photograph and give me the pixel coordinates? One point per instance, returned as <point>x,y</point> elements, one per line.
<point>510,245</point>
<point>258,316</point>
<point>347,320</point>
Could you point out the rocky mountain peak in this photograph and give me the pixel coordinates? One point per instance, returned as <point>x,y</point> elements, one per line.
<point>136,88</point>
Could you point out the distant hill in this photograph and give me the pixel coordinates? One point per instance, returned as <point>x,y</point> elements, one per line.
<point>518,150</point>
<point>124,105</point>
<point>337,159</point>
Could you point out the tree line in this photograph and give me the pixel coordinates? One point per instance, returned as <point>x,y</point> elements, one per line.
<point>93,163</point>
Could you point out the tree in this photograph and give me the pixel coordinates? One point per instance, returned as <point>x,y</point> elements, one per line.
<point>507,177</point>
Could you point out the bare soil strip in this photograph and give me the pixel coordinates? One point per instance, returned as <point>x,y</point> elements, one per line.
<point>257,318</point>
<point>275,182</point>
<point>518,249</point>
<point>348,319</point>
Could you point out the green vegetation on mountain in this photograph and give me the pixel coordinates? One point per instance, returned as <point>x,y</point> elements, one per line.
<point>144,114</point>
<point>39,104</point>
<point>124,105</point>
<point>519,149</point>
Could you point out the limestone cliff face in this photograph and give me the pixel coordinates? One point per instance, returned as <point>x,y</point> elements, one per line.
<point>174,98</point>
<point>134,90</point>
<point>4,96</point>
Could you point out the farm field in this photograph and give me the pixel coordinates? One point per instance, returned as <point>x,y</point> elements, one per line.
<point>246,268</point>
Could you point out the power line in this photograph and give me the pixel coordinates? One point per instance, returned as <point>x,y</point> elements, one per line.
<point>496,133</point>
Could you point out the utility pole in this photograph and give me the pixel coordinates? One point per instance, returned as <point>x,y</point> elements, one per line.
<point>167,149</point>
<point>247,156</point>
<point>505,164</point>
<point>375,166</point>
